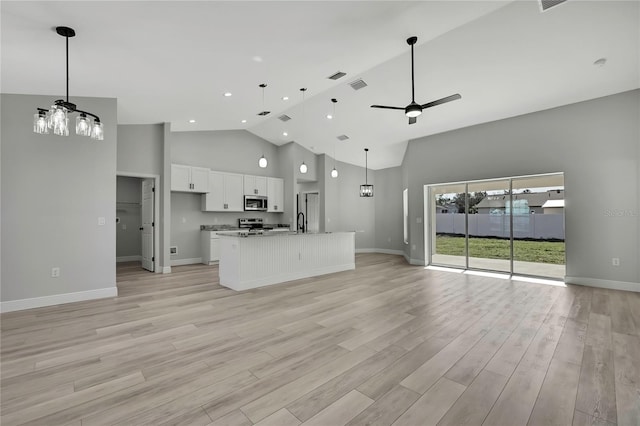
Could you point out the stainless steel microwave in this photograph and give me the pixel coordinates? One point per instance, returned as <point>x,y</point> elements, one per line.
<point>255,203</point>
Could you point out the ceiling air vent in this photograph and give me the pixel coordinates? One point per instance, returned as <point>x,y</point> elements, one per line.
<point>337,75</point>
<point>358,84</point>
<point>264,113</point>
<point>284,117</point>
<point>342,137</point>
<point>548,4</point>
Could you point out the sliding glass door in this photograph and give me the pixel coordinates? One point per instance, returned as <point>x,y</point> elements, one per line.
<point>538,226</point>
<point>449,247</point>
<point>513,225</point>
<point>489,225</point>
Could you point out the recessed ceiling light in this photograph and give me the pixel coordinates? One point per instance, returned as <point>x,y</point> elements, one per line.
<point>285,134</point>
<point>227,94</point>
<point>257,58</point>
<point>192,121</point>
<point>329,116</point>
<point>244,121</point>
<point>600,62</point>
<point>285,98</point>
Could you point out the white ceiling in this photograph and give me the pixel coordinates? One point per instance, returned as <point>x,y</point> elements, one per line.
<point>171,61</point>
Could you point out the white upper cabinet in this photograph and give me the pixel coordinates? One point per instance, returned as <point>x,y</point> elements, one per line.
<point>255,185</point>
<point>225,193</point>
<point>275,194</point>
<point>189,179</point>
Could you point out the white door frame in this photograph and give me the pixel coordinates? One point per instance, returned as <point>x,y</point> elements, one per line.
<point>303,193</point>
<point>156,213</point>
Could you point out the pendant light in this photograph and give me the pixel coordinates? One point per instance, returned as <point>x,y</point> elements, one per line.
<point>334,172</point>
<point>366,190</point>
<point>303,166</point>
<point>262,162</point>
<point>57,119</point>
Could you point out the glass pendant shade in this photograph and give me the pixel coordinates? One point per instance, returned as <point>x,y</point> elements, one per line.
<point>97,131</point>
<point>303,168</point>
<point>334,173</point>
<point>262,162</point>
<point>83,125</point>
<point>40,123</point>
<point>57,117</point>
<point>60,122</point>
<point>366,190</point>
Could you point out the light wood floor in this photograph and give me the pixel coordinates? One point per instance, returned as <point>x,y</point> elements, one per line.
<point>386,344</point>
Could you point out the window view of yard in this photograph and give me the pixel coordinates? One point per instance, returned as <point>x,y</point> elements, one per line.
<point>526,211</point>
<point>551,252</point>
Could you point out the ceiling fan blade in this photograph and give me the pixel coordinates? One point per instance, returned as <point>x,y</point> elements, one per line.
<point>387,107</point>
<point>412,120</point>
<point>442,101</point>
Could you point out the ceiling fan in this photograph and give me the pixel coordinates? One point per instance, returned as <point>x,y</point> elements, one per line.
<point>414,109</point>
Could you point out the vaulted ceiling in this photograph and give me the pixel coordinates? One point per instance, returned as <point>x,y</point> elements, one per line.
<point>172,61</point>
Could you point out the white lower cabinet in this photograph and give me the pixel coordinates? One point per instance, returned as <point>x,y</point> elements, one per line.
<point>225,193</point>
<point>210,247</point>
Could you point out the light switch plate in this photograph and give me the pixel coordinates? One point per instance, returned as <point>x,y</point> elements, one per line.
<point>102,221</point>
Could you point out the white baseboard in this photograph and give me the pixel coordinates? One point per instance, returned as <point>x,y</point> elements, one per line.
<point>57,299</point>
<point>135,258</point>
<point>417,262</point>
<point>181,262</point>
<point>610,284</point>
<point>165,269</point>
<point>379,250</point>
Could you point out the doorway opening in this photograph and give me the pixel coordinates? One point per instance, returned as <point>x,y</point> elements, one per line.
<point>510,225</point>
<point>137,210</point>
<point>308,212</point>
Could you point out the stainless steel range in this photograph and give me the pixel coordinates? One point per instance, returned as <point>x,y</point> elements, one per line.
<point>252,225</point>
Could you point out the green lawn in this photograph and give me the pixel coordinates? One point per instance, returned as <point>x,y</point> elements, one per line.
<point>489,248</point>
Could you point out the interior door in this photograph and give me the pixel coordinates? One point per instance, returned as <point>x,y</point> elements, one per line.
<point>312,204</point>
<point>147,224</point>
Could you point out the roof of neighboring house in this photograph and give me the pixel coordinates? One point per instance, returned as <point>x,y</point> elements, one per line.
<point>534,199</point>
<point>553,204</point>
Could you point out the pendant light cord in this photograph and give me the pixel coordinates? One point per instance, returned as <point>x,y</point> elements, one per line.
<point>366,165</point>
<point>67,40</point>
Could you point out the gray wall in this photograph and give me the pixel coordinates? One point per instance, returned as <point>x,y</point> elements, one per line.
<point>388,201</point>
<point>596,145</point>
<point>345,210</point>
<point>129,211</point>
<point>53,191</point>
<point>140,148</point>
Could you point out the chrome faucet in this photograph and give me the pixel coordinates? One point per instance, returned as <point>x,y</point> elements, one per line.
<point>300,226</point>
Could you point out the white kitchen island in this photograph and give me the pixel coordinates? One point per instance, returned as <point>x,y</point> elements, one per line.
<point>250,261</point>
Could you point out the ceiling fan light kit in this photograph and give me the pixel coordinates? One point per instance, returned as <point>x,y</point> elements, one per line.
<point>414,109</point>
<point>56,118</point>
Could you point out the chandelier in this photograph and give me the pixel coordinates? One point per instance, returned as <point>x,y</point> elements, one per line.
<point>56,118</point>
<point>366,190</point>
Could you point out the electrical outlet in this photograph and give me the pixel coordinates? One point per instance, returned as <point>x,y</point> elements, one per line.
<point>615,261</point>
<point>124,226</point>
<point>184,220</point>
<point>55,272</point>
<point>418,220</point>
